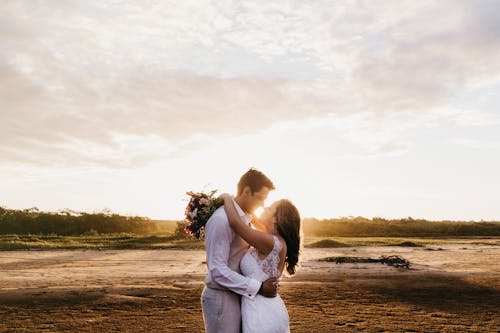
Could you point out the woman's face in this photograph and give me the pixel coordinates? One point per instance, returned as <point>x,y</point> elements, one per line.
<point>268,216</point>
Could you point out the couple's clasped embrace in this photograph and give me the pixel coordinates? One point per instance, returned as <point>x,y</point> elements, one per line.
<point>245,263</point>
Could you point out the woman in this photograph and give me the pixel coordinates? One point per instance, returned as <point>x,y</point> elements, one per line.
<point>275,246</point>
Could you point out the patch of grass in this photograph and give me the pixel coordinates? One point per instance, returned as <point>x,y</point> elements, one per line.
<point>327,243</point>
<point>404,241</point>
<point>440,249</point>
<point>408,244</point>
<point>109,241</point>
<point>173,241</point>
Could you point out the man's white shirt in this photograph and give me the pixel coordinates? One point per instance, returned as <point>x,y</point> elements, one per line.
<point>224,250</point>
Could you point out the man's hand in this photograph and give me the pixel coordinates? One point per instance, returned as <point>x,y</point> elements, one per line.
<point>269,288</point>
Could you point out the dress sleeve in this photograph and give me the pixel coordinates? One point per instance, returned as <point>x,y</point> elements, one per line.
<point>277,246</point>
<point>273,259</point>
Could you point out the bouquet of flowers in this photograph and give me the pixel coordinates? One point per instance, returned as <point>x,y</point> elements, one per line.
<point>199,209</point>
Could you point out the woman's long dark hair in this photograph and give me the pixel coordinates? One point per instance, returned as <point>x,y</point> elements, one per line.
<point>288,226</point>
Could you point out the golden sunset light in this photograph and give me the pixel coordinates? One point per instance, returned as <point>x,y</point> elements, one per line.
<point>249,166</point>
<point>353,110</point>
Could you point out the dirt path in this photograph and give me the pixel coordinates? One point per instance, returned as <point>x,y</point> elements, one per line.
<point>452,289</point>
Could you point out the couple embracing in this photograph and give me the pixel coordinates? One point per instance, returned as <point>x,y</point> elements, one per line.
<point>246,257</point>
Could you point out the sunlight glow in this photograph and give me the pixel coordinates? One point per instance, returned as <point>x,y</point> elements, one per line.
<point>329,101</point>
<point>258,211</point>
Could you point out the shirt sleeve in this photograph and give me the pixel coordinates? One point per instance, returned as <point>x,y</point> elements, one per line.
<point>218,238</point>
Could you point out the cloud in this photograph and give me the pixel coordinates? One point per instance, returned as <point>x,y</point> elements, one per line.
<point>392,148</point>
<point>475,144</point>
<point>421,61</point>
<point>172,107</point>
<point>113,83</point>
<point>467,118</point>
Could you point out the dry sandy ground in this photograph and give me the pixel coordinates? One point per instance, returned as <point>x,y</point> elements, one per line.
<point>452,289</point>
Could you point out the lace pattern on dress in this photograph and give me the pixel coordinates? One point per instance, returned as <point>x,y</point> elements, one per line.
<point>269,264</point>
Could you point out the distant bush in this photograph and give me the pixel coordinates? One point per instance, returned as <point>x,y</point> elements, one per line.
<point>71,223</point>
<point>407,227</point>
<point>408,244</point>
<point>327,243</point>
<point>179,232</point>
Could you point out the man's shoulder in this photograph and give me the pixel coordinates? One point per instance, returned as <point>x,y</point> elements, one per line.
<point>219,216</point>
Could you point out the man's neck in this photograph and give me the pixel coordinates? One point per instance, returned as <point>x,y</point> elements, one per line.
<point>243,208</point>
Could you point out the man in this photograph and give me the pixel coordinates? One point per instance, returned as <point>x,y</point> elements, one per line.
<point>224,285</point>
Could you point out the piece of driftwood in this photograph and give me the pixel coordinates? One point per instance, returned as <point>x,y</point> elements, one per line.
<point>394,261</point>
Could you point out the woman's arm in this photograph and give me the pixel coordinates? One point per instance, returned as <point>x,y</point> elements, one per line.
<point>262,241</point>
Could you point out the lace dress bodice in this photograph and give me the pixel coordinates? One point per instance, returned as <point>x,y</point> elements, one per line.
<point>262,314</point>
<point>262,269</point>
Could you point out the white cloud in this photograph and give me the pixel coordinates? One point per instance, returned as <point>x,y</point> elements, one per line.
<point>474,143</point>
<point>170,106</point>
<point>78,74</point>
<point>427,57</point>
<point>467,118</point>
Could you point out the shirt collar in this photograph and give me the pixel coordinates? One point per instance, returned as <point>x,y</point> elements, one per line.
<point>241,212</point>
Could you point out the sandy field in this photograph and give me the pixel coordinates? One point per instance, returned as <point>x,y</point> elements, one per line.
<point>449,288</point>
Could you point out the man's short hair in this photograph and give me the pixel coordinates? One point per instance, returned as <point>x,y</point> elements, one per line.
<point>254,179</point>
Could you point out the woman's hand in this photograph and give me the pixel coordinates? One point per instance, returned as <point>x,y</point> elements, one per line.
<point>226,196</point>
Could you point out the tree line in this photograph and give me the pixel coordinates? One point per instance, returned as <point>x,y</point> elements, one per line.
<point>406,227</point>
<point>72,223</point>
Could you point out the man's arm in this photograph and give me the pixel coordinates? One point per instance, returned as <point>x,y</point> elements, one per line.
<point>218,238</point>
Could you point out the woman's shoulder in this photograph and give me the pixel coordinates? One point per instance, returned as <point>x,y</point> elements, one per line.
<point>279,243</point>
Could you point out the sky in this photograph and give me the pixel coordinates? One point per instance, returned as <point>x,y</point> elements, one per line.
<point>353,108</point>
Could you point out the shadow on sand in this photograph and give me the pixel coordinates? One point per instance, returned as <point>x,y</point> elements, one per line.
<point>438,291</point>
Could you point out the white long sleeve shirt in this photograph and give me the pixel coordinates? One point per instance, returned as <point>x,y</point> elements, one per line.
<point>224,249</point>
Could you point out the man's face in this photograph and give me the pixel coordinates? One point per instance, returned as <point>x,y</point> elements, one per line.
<point>257,199</point>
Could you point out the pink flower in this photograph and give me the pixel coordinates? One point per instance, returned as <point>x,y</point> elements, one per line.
<point>193,213</point>
<point>205,201</point>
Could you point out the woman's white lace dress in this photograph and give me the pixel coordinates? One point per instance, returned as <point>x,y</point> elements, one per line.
<point>262,314</point>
